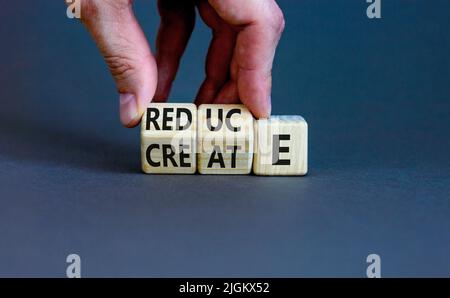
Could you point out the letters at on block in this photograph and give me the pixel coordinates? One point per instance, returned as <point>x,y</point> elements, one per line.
<point>168,138</point>
<point>281,146</point>
<point>225,139</point>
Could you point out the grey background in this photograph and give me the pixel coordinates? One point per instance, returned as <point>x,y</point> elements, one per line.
<point>377,99</point>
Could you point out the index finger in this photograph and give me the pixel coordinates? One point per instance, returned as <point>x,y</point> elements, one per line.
<point>262,23</point>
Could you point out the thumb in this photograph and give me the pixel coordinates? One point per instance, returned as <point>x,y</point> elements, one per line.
<point>126,52</point>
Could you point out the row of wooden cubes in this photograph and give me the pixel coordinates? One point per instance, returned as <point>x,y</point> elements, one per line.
<point>221,139</point>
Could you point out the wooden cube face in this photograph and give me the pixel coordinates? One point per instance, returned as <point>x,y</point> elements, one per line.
<point>281,146</point>
<point>225,139</point>
<point>168,139</point>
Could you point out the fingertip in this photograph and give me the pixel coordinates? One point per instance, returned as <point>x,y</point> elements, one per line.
<point>266,109</point>
<point>131,110</point>
<point>133,124</point>
<point>255,92</point>
<point>261,109</point>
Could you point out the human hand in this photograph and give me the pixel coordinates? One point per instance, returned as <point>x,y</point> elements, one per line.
<point>238,64</point>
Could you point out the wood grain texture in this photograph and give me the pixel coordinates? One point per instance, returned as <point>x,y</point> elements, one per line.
<point>169,139</point>
<point>281,146</point>
<point>225,139</point>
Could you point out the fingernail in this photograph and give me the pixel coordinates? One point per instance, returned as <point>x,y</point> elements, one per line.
<point>269,106</point>
<point>128,108</point>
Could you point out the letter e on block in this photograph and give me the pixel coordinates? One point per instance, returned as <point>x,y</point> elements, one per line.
<point>281,146</point>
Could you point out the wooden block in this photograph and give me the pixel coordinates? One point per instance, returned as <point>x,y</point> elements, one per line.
<point>281,146</point>
<point>169,139</point>
<point>225,139</point>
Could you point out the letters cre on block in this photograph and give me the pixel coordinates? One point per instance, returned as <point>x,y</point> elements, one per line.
<point>168,138</point>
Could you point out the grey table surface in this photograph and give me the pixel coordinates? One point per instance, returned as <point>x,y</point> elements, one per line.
<point>375,94</point>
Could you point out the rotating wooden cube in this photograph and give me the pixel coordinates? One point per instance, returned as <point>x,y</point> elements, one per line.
<point>225,139</point>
